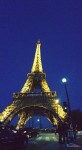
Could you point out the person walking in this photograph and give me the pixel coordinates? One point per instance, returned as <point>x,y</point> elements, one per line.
<point>62,130</point>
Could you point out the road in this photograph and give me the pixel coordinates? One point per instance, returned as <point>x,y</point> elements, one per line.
<point>49,141</point>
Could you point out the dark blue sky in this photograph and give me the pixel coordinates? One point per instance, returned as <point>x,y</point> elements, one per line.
<point>58,25</point>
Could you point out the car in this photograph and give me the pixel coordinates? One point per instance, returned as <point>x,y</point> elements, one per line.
<point>29,132</point>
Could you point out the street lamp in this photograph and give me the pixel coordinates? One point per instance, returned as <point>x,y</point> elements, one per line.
<point>38,120</point>
<point>64,80</point>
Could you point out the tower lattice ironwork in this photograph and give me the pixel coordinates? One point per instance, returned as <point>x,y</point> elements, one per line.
<point>28,102</point>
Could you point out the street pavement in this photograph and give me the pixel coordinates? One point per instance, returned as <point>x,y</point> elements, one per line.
<point>49,141</point>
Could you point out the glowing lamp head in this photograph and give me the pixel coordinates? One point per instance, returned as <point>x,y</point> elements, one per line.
<point>38,120</point>
<point>1,120</point>
<point>64,80</point>
<point>65,108</point>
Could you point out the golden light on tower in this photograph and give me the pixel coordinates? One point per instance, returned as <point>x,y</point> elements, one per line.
<point>26,103</point>
<point>37,64</point>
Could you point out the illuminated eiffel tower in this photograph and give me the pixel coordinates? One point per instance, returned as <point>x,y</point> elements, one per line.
<point>28,102</point>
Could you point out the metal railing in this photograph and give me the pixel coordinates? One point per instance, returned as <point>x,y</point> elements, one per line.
<point>34,94</point>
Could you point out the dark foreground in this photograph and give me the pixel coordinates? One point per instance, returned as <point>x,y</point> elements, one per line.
<point>49,141</point>
<point>43,141</point>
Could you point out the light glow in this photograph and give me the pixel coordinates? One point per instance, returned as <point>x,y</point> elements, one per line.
<point>38,120</point>
<point>57,101</point>
<point>64,80</point>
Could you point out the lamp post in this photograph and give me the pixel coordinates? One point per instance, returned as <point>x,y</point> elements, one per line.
<point>64,80</point>
<point>40,122</point>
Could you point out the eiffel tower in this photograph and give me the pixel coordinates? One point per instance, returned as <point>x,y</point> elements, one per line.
<point>28,102</point>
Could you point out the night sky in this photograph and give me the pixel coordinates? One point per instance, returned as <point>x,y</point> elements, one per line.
<point>58,25</point>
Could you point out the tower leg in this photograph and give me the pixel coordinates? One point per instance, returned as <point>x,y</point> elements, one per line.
<point>8,111</point>
<point>22,121</point>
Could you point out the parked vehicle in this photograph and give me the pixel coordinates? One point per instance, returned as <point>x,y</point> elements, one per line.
<point>29,132</point>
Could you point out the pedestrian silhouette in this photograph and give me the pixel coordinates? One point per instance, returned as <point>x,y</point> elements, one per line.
<point>62,130</point>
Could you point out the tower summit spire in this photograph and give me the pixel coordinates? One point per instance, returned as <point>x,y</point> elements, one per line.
<point>37,64</point>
